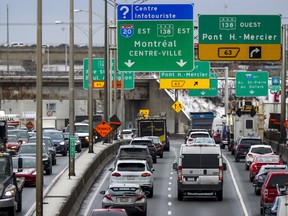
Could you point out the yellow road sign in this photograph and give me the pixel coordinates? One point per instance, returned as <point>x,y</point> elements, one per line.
<point>242,52</point>
<point>145,113</point>
<point>98,84</point>
<point>184,83</point>
<point>177,106</point>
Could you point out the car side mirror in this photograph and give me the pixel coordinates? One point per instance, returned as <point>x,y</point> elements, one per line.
<point>175,166</point>
<point>102,192</point>
<point>152,170</point>
<point>111,169</point>
<point>224,166</point>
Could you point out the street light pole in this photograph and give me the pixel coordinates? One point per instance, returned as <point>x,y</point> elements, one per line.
<point>90,81</point>
<point>106,58</point>
<point>8,42</point>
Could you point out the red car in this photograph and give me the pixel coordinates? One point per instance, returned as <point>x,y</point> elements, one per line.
<point>13,144</point>
<point>261,160</point>
<point>109,211</point>
<point>28,171</point>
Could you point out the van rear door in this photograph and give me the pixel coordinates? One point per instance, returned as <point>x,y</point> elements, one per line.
<point>200,168</point>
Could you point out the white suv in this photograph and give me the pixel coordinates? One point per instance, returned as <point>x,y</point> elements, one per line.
<point>133,171</point>
<point>256,150</point>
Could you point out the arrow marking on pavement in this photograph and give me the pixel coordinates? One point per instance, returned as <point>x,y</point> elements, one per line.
<point>181,63</point>
<point>129,63</point>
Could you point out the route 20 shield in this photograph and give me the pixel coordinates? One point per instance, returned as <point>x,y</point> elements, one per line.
<point>127,30</point>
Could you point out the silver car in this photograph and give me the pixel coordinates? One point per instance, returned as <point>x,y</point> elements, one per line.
<point>133,171</point>
<point>125,196</point>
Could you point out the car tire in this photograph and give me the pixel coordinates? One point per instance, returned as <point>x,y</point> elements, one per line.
<point>48,171</point>
<point>232,152</point>
<point>251,178</point>
<point>222,146</point>
<point>19,203</point>
<point>219,195</point>
<point>257,191</point>
<point>246,167</point>
<point>151,193</point>
<point>54,161</point>
<point>237,159</point>
<point>155,159</point>
<point>161,155</point>
<point>144,213</point>
<point>65,152</point>
<point>180,196</point>
<point>12,211</point>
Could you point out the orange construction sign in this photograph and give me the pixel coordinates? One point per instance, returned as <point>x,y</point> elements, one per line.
<point>103,128</point>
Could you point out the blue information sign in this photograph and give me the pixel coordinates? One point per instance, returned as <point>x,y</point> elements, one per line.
<point>155,12</point>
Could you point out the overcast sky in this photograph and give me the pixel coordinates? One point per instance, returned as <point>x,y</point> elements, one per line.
<point>23,16</point>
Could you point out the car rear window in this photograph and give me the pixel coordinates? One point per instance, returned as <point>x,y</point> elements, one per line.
<point>268,160</point>
<point>141,142</point>
<point>199,135</point>
<point>132,167</point>
<point>261,150</point>
<point>281,180</point>
<point>104,213</point>
<point>128,152</point>
<point>200,161</point>
<point>251,141</point>
<point>127,132</point>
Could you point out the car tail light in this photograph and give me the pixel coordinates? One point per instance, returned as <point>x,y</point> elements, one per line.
<point>116,174</point>
<point>266,192</point>
<point>190,139</point>
<point>107,196</point>
<point>250,155</point>
<point>220,173</point>
<point>140,197</point>
<point>145,174</point>
<point>179,172</point>
<point>240,146</point>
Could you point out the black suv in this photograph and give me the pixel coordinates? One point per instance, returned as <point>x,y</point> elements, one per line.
<point>145,141</point>
<point>243,145</point>
<point>135,152</point>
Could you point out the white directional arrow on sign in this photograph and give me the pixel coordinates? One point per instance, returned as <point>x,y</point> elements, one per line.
<point>256,50</point>
<point>129,63</point>
<point>252,92</point>
<point>203,93</point>
<point>181,63</point>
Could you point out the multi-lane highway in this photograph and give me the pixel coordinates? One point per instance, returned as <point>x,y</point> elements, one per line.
<point>239,197</point>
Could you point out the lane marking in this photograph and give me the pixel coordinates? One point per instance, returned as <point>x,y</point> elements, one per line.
<point>169,195</point>
<point>169,203</point>
<point>236,187</point>
<point>169,213</point>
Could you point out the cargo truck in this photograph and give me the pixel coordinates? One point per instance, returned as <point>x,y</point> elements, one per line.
<point>154,126</point>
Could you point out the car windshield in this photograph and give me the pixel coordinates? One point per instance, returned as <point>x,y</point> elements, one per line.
<point>29,149</point>
<point>20,134</point>
<point>261,150</point>
<point>81,129</point>
<point>4,168</point>
<point>12,139</point>
<point>54,135</point>
<point>27,162</point>
<point>131,167</point>
<point>46,141</point>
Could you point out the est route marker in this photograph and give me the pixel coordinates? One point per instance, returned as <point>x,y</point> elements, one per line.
<point>155,37</point>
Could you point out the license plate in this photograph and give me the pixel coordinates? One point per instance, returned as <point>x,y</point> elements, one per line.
<point>123,199</point>
<point>130,178</point>
<point>191,179</point>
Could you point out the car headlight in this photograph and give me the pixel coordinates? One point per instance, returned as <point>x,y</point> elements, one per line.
<point>87,138</point>
<point>62,143</point>
<point>10,191</point>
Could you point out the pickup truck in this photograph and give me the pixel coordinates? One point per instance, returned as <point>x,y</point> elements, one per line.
<point>11,193</point>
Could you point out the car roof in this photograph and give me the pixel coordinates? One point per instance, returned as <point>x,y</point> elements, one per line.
<point>133,146</point>
<point>262,146</point>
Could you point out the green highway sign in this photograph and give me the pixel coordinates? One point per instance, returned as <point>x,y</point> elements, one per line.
<point>252,83</point>
<point>155,37</point>
<point>201,70</point>
<point>212,92</point>
<point>99,74</point>
<point>239,37</point>
<point>72,146</point>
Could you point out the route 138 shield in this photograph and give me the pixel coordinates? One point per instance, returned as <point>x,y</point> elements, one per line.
<point>127,30</point>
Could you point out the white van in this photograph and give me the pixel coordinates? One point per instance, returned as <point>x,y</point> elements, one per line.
<point>200,170</point>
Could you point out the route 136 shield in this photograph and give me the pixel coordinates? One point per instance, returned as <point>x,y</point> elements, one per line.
<point>127,30</point>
